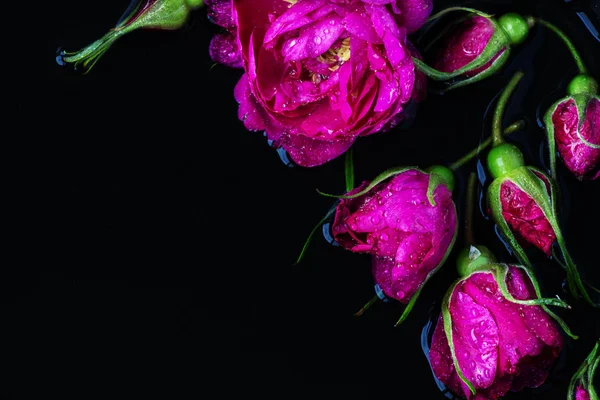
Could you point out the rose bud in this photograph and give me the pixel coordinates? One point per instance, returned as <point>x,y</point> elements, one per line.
<point>522,200</point>
<point>495,333</point>
<point>475,47</point>
<point>406,219</point>
<point>581,386</point>
<point>146,14</point>
<point>573,122</point>
<point>321,73</point>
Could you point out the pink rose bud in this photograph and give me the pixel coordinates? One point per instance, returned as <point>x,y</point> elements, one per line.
<point>495,334</point>
<point>581,386</point>
<point>321,73</point>
<point>573,126</point>
<point>396,222</point>
<point>475,47</point>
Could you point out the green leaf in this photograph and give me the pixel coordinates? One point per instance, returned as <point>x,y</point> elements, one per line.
<point>378,179</point>
<point>314,230</point>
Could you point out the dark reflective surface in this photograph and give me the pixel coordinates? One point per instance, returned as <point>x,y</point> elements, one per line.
<point>169,232</point>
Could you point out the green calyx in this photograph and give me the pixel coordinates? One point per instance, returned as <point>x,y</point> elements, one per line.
<point>438,175</point>
<point>527,179</point>
<point>473,257</point>
<point>154,14</point>
<point>584,376</point>
<point>515,26</point>
<point>504,158</point>
<point>583,84</point>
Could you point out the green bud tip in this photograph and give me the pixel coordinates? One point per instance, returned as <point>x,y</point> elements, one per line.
<point>471,258</point>
<point>515,26</point>
<point>504,158</point>
<point>445,173</point>
<point>582,84</point>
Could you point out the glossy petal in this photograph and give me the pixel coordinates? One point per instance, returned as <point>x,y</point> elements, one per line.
<point>463,43</point>
<point>525,217</point>
<point>581,393</point>
<point>581,159</point>
<point>396,223</point>
<point>220,12</point>
<point>413,13</point>
<point>325,71</point>
<point>515,345</point>
<point>223,49</point>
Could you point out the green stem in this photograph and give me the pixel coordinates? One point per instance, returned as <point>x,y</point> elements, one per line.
<point>567,42</point>
<point>366,306</point>
<point>469,239</point>
<point>514,127</point>
<point>349,170</point>
<point>501,106</point>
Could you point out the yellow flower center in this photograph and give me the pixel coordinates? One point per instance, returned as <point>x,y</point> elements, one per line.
<point>334,57</point>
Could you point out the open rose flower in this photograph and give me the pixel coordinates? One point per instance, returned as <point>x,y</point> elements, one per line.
<point>395,221</point>
<point>495,334</point>
<point>320,73</point>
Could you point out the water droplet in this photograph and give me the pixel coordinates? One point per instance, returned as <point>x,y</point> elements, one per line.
<point>317,40</point>
<point>400,294</point>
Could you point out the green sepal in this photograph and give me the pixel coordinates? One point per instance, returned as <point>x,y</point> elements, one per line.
<point>163,14</point>
<point>413,299</point>
<point>451,9</point>
<point>447,318</point>
<point>525,179</point>
<point>388,173</point>
<point>491,70</point>
<point>314,230</point>
<point>585,374</point>
<point>500,275</point>
<point>436,179</point>
<point>497,42</point>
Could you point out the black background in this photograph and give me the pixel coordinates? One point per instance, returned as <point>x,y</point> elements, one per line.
<point>168,232</point>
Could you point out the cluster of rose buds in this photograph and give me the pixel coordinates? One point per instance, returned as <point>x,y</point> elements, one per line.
<point>318,74</point>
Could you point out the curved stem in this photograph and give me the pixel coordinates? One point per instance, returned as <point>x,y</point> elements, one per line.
<point>469,239</point>
<point>514,127</point>
<point>501,106</point>
<point>366,306</point>
<point>567,42</point>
